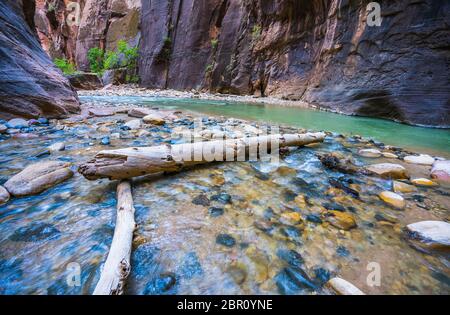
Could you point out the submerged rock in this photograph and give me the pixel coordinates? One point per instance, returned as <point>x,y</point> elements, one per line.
<point>372,153</point>
<point>56,147</point>
<point>441,171</point>
<point>17,123</point>
<point>341,220</point>
<point>343,287</point>
<point>422,159</point>
<point>291,257</point>
<point>315,218</point>
<point>423,182</point>
<point>223,198</point>
<point>292,218</point>
<point>400,187</point>
<point>34,232</point>
<point>215,212</point>
<point>430,233</point>
<point>388,170</point>
<point>392,199</point>
<point>38,177</point>
<point>238,273</point>
<point>4,195</point>
<point>201,200</point>
<point>163,283</point>
<point>225,240</point>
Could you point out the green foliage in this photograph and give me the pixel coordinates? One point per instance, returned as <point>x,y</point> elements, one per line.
<point>111,60</point>
<point>166,52</point>
<point>209,68</point>
<point>256,32</point>
<point>130,54</point>
<point>123,57</point>
<point>214,43</point>
<point>96,60</point>
<point>65,66</point>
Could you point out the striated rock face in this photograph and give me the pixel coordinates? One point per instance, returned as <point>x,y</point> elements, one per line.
<point>57,38</point>
<point>103,23</point>
<point>30,85</point>
<point>319,51</point>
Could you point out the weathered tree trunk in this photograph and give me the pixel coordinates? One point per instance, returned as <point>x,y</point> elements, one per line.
<point>117,266</point>
<point>133,162</point>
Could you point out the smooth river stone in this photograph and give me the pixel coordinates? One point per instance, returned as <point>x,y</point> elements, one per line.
<point>343,287</point>
<point>433,233</point>
<point>17,123</point>
<point>341,220</point>
<point>441,171</point>
<point>56,147</point>
<point>388,170</point>
<point>38,177</point>
<point>372,153</point>
<point>422,159</point>
<point>154,120</point>
<point>400,187</point>
<point>3,129</point>
<point>134,124</point>
<point>392,199</point>
<point>389,155</point>
<point>139,112</point>
<point>423,182</point>
<point>4,195</point>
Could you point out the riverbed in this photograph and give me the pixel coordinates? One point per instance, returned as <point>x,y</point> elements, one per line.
<point>225,228</point>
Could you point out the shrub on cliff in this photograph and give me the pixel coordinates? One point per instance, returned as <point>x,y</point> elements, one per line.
<point>96,59</point>
<point>65,66</point>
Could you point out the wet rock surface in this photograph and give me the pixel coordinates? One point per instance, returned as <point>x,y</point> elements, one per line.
<point>30,85</point>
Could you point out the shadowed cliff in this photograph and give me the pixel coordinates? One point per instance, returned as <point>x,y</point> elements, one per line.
<point>30,85</point>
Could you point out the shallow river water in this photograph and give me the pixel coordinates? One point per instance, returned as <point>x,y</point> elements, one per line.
<point>185,219</point>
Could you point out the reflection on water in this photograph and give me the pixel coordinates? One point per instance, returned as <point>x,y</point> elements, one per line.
<point>426,140</point>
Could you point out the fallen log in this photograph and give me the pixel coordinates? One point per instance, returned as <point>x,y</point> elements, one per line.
<point>133,162</point>
<point>117,266</point>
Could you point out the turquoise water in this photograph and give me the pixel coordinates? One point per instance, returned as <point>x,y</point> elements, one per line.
<point>426,140</point>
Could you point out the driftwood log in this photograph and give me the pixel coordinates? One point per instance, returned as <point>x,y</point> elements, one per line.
<point>117,266</point>
<point>133,162</point>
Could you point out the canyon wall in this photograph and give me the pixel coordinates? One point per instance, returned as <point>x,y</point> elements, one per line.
<point>319,51</point>
<point>102,24</point>
<point>30,85</point>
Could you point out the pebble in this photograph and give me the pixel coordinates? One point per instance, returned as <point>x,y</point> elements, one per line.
<point>201,200</point>
<point>225,240</point>
<point>422,159</point>
<point>17,123</point>
<point>341,220</point>
<point>392,199</point>
<point>56,147</point>
<point>106,141</point>
<point>343,287</point>
<point>154,120</point>
<point>238,273</point>
<point>371,153</point>
<point>291,257</point>
<point>441,171</point>
<point>222,198</point>
<point>163,283</point>
<point>388,170</point>
<point>215,212</point>
<point>315,218</point>
<point>4,195</point>
<point>291,218</point>
<point>423,182</point>
<point>3,129</point>
<point>38,177</point>
<point>389,155</point>
<point>431,233</point>
<point>133,124</point>
<point>400,187</point>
